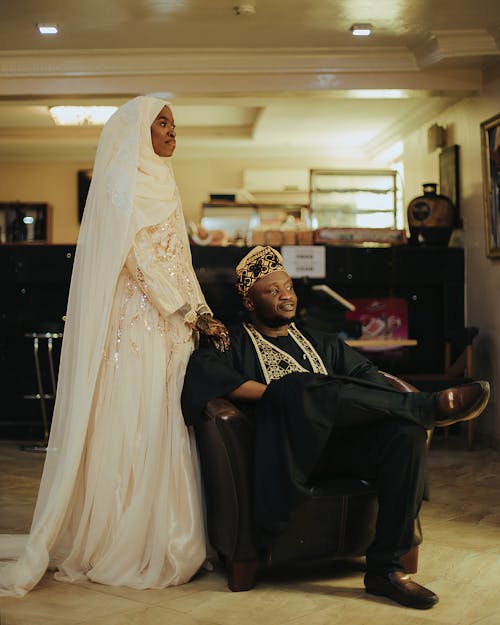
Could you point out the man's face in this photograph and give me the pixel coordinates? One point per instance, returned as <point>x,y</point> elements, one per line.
<point>272,299</point>
<point>163,133</point>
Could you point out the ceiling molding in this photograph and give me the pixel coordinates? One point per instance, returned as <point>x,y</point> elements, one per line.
<point>229,70</point>
<point>202,61</point>
<point>452,44</point>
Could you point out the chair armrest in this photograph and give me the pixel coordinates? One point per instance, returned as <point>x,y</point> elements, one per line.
<point>406,387</point>
<point>399,384</point>
<point>225,439</point>
<point>221,409</point>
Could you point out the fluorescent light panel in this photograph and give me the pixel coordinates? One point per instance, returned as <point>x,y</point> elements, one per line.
<point>81,115</point>
<point>48,29</point>
<point>361,30</point>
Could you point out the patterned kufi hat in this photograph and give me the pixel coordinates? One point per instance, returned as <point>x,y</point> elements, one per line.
<point>259,262</point>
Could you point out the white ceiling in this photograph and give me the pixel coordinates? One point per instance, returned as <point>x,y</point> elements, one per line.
<point>289,80</point>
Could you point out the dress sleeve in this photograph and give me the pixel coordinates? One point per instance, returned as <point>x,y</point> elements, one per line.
<point>162,267</point>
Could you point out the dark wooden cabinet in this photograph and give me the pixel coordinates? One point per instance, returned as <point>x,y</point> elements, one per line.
<point>35,282</point>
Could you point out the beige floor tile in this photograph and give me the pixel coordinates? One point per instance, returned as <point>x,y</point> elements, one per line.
<point>460,560</point>
<point>493,619</point>
<point>458,534</point>
<point>369,613</point>
<point>147,616</point>
<point>59,603</point>
<point>480,568</point>
<point>263,604</point>
<point>203,581</point>
<point>462,602</point>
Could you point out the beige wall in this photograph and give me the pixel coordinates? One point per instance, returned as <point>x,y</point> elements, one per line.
<point>482,274</point>
<point>197,178</point>
<point>56,183</point>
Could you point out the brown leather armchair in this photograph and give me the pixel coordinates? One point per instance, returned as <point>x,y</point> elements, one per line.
<point>336,520</point>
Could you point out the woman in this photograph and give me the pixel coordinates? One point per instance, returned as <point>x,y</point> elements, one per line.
<point>119,499</point>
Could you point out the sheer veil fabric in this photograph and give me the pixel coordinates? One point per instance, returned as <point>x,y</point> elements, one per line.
<point>119,496</point>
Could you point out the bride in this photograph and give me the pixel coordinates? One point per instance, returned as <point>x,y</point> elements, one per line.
<point>119,500</point>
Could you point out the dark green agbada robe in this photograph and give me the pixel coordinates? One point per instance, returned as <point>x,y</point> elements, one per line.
<point>295,417</point>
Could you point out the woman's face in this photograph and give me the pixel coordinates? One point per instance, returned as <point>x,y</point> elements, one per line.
<point>163,133</point>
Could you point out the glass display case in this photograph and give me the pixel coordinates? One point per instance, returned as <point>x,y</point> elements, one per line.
<point>355,199</point>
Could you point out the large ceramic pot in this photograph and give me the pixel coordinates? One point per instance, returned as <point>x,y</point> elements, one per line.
<point>430,217</point>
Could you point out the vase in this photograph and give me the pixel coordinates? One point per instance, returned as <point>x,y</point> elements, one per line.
<point>430,217</point>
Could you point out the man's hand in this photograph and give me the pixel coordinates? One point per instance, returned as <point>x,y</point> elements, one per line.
<point>250,391</point>
<point>215,330</point>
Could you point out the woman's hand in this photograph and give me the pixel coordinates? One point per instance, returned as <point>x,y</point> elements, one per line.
<point>215,330</point>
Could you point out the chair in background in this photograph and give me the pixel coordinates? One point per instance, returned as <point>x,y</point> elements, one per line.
<point>458,369</point>
<point>337,519</point>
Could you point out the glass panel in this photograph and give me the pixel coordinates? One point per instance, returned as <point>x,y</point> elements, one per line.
<point>354,199</point>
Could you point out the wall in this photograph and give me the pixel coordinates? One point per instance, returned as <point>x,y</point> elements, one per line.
<point>196,178</point>
<point>56,183</point>
<point>482,274</point>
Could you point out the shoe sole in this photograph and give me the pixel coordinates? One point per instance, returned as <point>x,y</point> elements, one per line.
<point>473,414</point>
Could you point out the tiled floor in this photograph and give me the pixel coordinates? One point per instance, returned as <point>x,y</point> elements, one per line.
<point>460,560</point>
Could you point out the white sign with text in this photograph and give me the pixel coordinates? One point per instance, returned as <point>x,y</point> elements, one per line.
<point>304,261</point>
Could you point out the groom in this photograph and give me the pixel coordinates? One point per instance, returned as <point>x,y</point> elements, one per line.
<point>321,409</point>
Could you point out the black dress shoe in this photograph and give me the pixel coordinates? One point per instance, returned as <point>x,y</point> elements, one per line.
<point>399,587</point>
<point>461,403</point>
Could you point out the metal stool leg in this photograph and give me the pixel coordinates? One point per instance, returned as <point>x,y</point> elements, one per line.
<point>51,366</point>
<point>41,395</point>
<point>41,392</point>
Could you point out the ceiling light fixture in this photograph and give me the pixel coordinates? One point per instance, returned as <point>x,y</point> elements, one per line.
<point>81,115</point>
<point>361,30</point>
<point>48,29</point>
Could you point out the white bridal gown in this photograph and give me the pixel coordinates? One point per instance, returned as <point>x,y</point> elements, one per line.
<point>133,517</point>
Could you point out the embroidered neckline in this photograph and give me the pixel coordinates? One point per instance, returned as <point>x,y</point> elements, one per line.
<point>275,362</point>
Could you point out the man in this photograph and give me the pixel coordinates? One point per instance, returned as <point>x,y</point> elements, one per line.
<point>323,409</point>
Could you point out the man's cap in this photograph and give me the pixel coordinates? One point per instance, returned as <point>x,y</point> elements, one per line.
<point>259,262</point>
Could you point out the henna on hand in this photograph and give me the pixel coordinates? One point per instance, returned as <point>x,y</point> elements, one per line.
<point>215,330</point>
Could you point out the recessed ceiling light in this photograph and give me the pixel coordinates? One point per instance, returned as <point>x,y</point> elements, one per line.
<point>48,29</point>
<point>361,30</point>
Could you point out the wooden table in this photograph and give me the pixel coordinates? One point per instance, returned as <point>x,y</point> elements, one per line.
<point>380,344</point>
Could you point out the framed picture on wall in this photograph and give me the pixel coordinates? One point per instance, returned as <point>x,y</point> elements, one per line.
<point>490,141</point>
<point>449,179</point>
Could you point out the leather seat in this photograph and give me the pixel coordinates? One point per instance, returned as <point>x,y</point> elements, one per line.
<point>337,519</point>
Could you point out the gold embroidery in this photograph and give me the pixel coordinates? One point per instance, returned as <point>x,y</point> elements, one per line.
<point>171,249</point>
<point>314,358</point>
<point>275,362</point>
